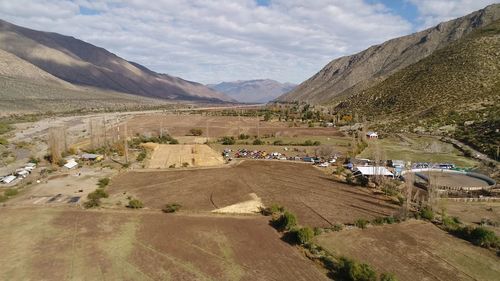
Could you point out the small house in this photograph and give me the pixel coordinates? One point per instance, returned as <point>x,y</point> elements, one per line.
<point>372,135</point>
<point>71,164</point>
<point>91,157</point>
<point>9,179</point>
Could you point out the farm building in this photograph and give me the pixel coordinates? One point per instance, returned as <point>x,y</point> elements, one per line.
<point>8,179</point>
<point>372,135</point>
<point>372,171</point>
<point>91,157</point>
<point>71,164</point>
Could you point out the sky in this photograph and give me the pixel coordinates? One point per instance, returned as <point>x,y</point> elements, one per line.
<point>226,40</point>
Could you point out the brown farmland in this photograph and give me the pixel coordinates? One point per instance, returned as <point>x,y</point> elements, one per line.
<point>414,250</point>
<point>179,125</point>
<point>310,194</point>
<point>64,244</point>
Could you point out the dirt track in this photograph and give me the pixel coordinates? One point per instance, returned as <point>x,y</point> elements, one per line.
<point>195,155</point>
<point>64,244</point>
<point>316,199</point>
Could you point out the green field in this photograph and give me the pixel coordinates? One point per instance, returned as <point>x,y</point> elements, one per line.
<point>417,149</point>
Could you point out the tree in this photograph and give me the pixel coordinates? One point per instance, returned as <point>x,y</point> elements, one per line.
<point>325,151</point>
<point>171,208</point>
<point>387,277</point>
<point>267,116</point>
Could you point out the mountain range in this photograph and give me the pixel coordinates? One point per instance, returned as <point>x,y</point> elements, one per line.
<point>64,61</point>
<point>349,75</point>
<point>253,91</point>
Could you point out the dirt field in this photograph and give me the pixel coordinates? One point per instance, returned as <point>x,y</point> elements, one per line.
<point>314,197</point>
<point>65,244</point>
<point>218,126</point>
<point>195,155</point>
<point>61,189</point>
<point>473,212</point>
<point>414,250</point>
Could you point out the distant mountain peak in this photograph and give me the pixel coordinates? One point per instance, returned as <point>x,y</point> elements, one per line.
<point>253,91</point>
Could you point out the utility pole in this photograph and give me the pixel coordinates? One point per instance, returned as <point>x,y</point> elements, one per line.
<point>258,127</point>
<point>125,143</point>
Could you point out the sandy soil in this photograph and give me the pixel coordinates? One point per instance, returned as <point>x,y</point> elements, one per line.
<point>195,155</point>
<point>247,207</point>
<point>414,250</point>
<point>454,180</point>
<point>64,244</point>
<point>313,196</point>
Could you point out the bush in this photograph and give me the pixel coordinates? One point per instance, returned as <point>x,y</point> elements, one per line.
<point>305,235</point>
<point>337,227</point>
<point>363,181</point>
<point>272,210</point>
<point>91,203</point>
<point>348,179</point>
<point>387,277</point>
<point>102,183</point>
<point>258,142</point>
<point>451,223</point>
<point>174,141</point>
<point>285,222</point>
<point>97,194</point>
<point>142,155</point>
<point>427,214</point>
<point>478,236</point>
<point>171,208</point>
<point>134,204</point>
<point>172,166</point>
<point>196,132</point>
<point>243,137</point>
<point>185,164</point>
<point>350,270</point>
<point>278,142</point>
<point>4,141</point>
<point>227,140</point>
<point>361,223</point>
<point>10,192</point>
<point>3,198</point>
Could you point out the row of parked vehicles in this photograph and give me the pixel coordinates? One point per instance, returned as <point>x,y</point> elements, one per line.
<point>259,154</point>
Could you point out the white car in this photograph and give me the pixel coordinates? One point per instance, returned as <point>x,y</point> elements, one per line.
<point>324,164</point>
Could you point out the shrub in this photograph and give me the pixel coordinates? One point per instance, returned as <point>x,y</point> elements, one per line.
<point>4,141</point>
<point>196,132</point>
<point>305,235</point>
<point>308,143</point>
<point>91,203</point>
<point>243,137</point>
<point>228,140</point>
<point>378,221</point>
<point>339,170</point>
<point>285,222</point>
<point>171,208</point>
<point>258,142</point>
<point>387,277</point>
<point>10,192</point>
<point>348,179</point>
<point>363,181</point>
<point>185,164</point>
<point>142,155</point>
<point>172,166</point>
<point>478,236</point>
<point>174,141</point>
<point>350,270</point>
<point>427,214</point>
<point>337,227</point>
<point>361,223</point>
<point>134,204</point>
<point>278,142</point>
<point>451,223</point>
<point>3,198</point>
<point>97,194</point>
<point>102,183</point>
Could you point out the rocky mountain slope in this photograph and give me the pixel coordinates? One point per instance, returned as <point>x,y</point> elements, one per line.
<point>81,63</point>
<point>26,88</point>
<point>456,90</point>
<point>352,74</point>
<point>253,91</point>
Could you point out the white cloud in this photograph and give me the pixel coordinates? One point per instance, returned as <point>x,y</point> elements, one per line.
<point>213,41</point>
<point>432,12</point>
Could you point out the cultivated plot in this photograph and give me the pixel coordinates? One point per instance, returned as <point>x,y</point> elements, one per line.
<point>414,250</point>
<point>63,244</point>
<point>314,197</point>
